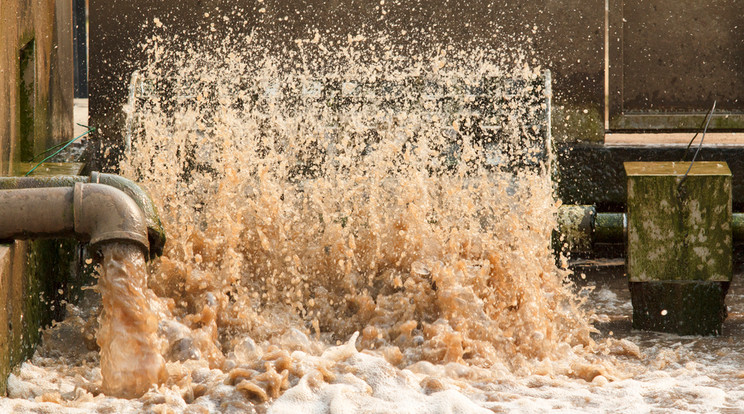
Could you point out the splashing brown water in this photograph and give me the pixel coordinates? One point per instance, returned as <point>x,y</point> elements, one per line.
<point>380,241</point>
<point>363,251</point>
<point>376,210</point>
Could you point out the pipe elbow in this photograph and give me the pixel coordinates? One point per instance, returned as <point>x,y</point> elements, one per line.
<point>104,214</point>
<point>155,232</point>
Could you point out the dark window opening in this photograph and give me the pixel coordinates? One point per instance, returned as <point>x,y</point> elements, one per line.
<point>27,104</point>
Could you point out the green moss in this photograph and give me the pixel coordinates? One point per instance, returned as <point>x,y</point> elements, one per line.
<point>679,229</point>
<point>27,101</point>
<point>50,268</point>
<point>64,169</point>
<point>672,121</point>
<point>729,122</point>
<point>679,245</point>
<point>52,276</point>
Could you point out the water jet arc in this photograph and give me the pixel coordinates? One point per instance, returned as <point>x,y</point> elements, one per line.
<point>94,213</point>
<point>155,232</point>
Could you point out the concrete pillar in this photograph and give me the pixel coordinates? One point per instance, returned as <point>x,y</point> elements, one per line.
<point>679,245</point>
<point>36,93</point>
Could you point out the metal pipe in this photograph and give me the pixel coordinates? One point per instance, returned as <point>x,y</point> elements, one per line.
<point>94,213</point>
<point>737,227</point>
<point>575,232</point>
<point>33,213</point>
<point>155,232</point>
<point>581,226</point>
<point>106,214</point>
<point>610,227</point>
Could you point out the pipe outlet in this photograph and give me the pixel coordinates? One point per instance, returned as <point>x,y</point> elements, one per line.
<point>155,231</point>
<point>105,214</point>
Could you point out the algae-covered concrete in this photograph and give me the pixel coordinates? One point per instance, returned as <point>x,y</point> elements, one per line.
<point>36,112</point>
<point>680,254</point>
<point>679,223</point>
<point>36,77</point>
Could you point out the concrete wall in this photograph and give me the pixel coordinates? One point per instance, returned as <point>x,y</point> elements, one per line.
<point>36,101</point>
<point>36,279</point>
<point>568,38</point>
<point>36,84</point>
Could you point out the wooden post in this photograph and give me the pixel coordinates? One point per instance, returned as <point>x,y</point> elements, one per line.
<point>679,245</point>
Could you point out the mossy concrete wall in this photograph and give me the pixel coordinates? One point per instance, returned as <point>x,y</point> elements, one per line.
<point>36,280</point>
<point>679,245</point>
<point>36,101</point>
<point>36,77</point>
<point>679,224</point>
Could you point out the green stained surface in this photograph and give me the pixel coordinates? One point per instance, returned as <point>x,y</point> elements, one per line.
<point>47,168</point>
<point>27,101</point>
<point>737,227</point>
<point>679,228</point>
<point>689,122</point>
<point>574,233</point>
<point>609,227</point>
<point>573,123</point>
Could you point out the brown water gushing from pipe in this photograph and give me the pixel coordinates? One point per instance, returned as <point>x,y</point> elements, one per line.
<point>110,220</point>
<point>443,270</point>
<point>130,359</point>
